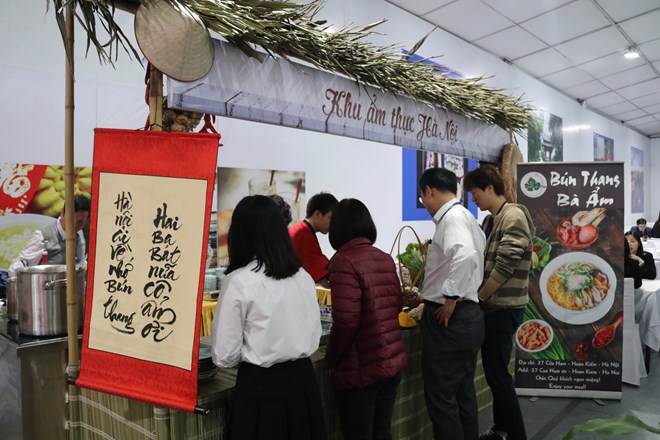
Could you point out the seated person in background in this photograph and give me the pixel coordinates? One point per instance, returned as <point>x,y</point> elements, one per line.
<point>656,228</point>
<point>303,235</point>
<point>50,240</point>
<point>638,263</point>
<point>641,230</point>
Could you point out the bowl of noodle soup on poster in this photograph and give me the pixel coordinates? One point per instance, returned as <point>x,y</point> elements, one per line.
<point>578,288</point>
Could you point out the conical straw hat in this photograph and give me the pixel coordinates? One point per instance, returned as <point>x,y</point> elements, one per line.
<point>174,40</point>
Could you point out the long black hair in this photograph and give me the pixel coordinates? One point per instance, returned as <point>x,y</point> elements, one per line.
<point>640,248</point>
<point>258,232</point>
<point>351,219</point>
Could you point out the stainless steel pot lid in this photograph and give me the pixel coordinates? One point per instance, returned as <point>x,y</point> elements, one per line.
<point>45,268</point>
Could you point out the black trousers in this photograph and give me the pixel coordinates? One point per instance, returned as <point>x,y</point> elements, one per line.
<point>281,402</point>
<point>501,325</point>
<point>449,358</point>
<point>366,413</point>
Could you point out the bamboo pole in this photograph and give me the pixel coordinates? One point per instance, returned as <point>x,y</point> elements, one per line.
<point>73,365</point>
<point>155,99</point>
<point>69,107</point>
<point>162,422</point>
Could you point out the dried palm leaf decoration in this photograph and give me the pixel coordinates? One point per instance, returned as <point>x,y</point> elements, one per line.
<point>291,31</point>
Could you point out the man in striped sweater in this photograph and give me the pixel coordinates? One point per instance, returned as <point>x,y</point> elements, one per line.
<point>507,261</point>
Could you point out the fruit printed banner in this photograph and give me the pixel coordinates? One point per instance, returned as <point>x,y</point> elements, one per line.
<point>36,192</point>
<point>570,343</point>
<point>149,227</point>
<point>38,189</point>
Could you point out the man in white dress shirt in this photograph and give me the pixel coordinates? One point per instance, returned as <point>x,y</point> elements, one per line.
<point>47,245</point>
<point>452,323</point>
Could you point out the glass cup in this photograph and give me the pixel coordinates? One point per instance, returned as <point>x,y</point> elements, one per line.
<point>260,186</point>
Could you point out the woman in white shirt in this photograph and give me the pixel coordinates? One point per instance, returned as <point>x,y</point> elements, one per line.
<point>267,321</point>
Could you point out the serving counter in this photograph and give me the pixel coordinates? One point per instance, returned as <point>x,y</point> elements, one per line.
<point>32,375</point>
<point>32,384</point>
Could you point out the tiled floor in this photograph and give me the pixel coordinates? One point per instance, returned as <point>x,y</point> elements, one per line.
<point>550,418</point>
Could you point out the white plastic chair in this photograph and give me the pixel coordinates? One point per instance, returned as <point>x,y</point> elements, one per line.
<point>633,358</point>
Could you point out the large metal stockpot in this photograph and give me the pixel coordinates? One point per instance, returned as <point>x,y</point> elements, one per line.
<point>12,299</point>
<point>42,299</point>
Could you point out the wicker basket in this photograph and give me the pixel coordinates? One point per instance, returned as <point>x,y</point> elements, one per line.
<point>409,282</point>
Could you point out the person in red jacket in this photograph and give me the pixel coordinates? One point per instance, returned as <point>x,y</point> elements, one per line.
<point>365,349</point>
<point>303,235</point>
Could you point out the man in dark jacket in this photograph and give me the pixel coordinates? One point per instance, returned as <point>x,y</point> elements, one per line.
<point>641,230</point>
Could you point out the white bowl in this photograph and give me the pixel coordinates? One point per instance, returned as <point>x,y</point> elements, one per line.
<point>577,317</point>
<point>29,222</point>
<point>542,323</point>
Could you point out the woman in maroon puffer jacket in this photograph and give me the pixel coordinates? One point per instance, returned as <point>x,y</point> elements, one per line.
<point>365,348</point>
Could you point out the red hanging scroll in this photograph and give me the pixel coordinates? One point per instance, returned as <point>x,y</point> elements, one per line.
<point>151,203</point>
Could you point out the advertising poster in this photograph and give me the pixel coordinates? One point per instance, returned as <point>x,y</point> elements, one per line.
<point>236,183</point>
<point>603,148</point>
<point>570,343</point>
<point>636,180</point>
<point>415,162</point>
<point>545,138</point>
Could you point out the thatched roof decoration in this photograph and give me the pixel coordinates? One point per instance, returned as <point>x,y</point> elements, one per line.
<point>290,31</point>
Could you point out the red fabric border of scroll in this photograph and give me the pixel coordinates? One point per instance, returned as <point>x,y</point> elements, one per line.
<point>147,153</point>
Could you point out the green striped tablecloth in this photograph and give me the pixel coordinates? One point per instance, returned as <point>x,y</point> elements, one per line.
<point>95,415</point>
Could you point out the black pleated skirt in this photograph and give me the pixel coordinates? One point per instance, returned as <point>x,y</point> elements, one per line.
<point>281,402</point>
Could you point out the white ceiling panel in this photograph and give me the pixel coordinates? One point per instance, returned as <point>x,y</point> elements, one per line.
<point>419,7</point>
<point>586,90</point>
<point>627,116</point>
<point>609,65</point>
<point>605,99</point>
<point>511,43</point>
<point>632,76</point>
<point>646,100</point>
<point>574,46</point>
<point>568,78</point>
<point>593,45</point>
<point>616,109</point>
<point>651,49</point>
<point>621,10</point>
<point>544,62</point>
<point>566,22</point>
<point>653,109</point>
<point>465,18</point>
<point>641,121</point>
<point>641,89</point>
<point>519,11</point>
<point>652,128</point>
<point>643,28</point>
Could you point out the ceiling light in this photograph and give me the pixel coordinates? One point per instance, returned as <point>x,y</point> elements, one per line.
<point>631,53</point>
